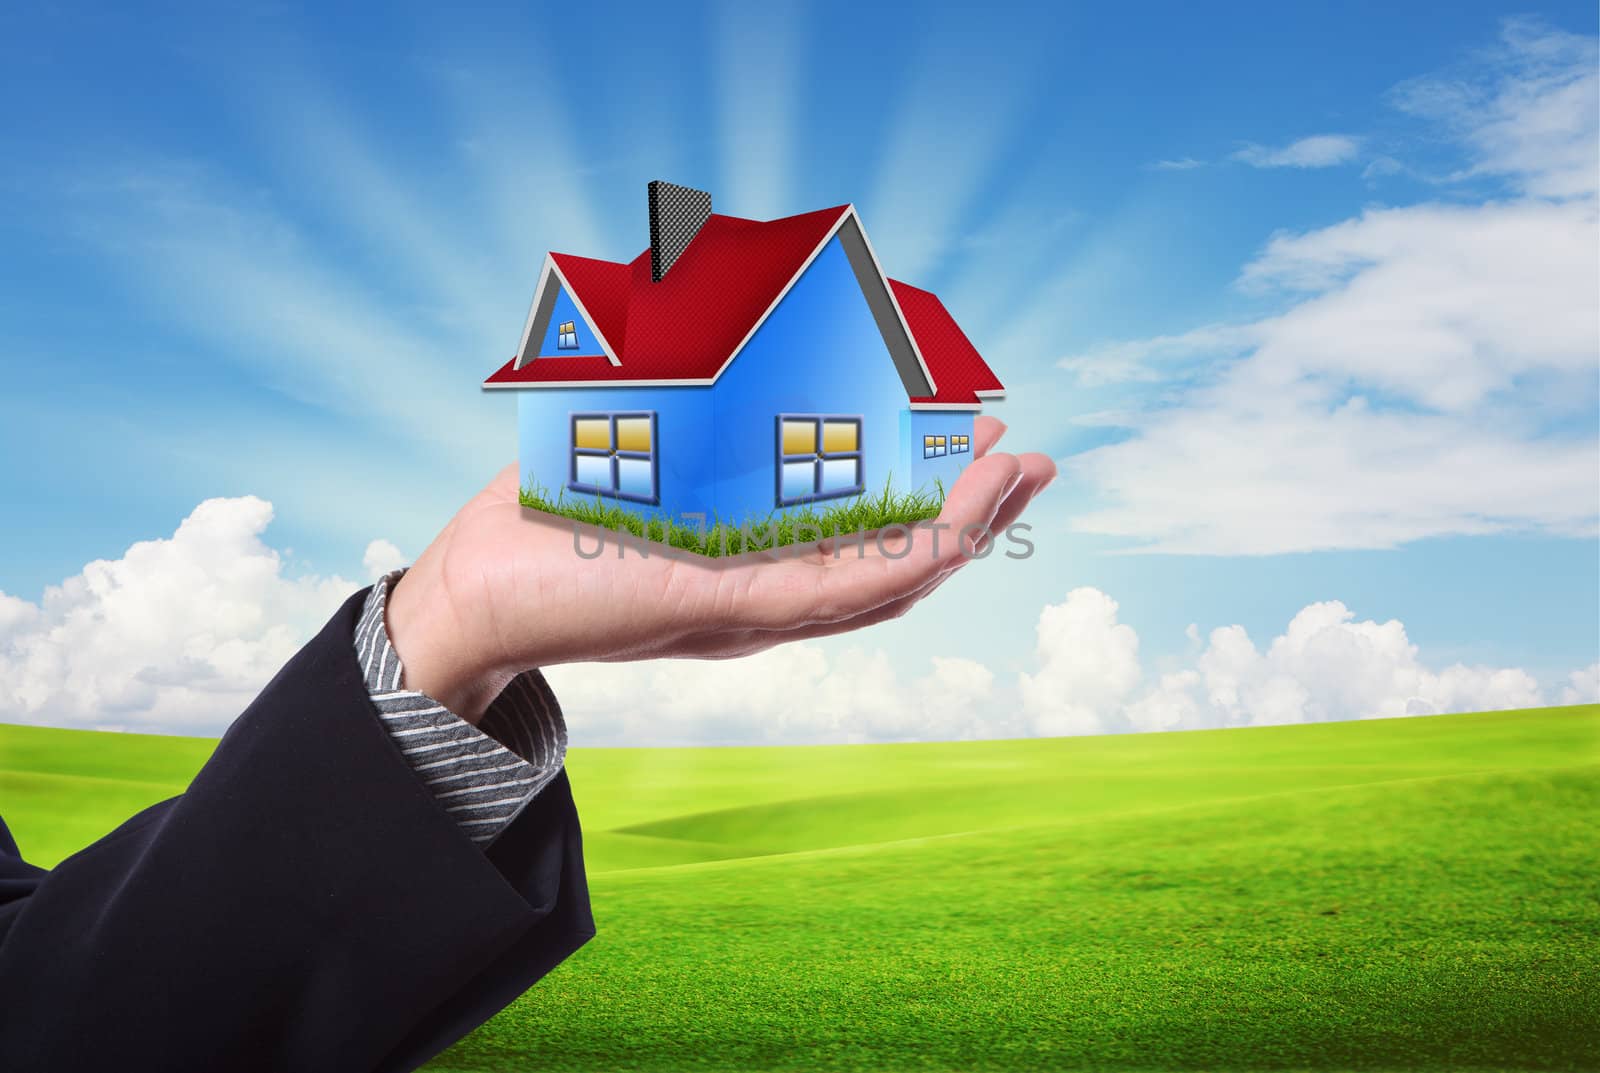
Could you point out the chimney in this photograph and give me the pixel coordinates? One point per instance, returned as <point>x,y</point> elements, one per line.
<point>676,216</point>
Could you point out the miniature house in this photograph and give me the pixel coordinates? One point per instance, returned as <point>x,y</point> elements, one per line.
<point>738,367</point>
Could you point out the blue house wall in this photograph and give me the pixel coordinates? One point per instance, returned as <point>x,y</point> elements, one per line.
<point>947,467</point>
<point>685,448</point>
<point>819,352</point>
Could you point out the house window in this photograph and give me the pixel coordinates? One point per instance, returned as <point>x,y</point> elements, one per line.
<point>567,335</point>
<point>615,455</point>
<point>819,457</point>
<point>938,446</point>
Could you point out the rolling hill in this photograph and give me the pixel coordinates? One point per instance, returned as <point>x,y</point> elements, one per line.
<point>1394,894</point>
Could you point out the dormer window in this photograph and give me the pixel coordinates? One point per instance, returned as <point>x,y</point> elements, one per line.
<point>567,335</point>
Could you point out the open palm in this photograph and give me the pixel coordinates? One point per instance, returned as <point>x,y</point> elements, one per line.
<point>502,588</point>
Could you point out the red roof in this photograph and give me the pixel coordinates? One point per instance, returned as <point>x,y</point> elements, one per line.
<point>725,283</point>
<point>959,371</point>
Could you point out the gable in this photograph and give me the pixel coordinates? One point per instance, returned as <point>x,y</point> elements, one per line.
<point>553,342</point>
<point>597,283</point>
<point>820,350</point>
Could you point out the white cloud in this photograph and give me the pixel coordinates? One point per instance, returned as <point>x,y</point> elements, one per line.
<point>792,695</point>
<point>1317,151</point>
<point>179,634</point>
<point>1154,359</point>
<point>1088,662</point>
<point>1432,373</point>
<point>175,636</point>
<point>1381,166</point>
<point>1531,113</point>
<point>14,614</point>
<point>1583,687</point>
<point>380,558</point>
<point>1086,678</point>
<point>1187,163</point>
<point>1324,666</point>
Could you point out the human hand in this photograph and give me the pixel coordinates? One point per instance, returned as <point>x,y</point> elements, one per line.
<point>502,589</point>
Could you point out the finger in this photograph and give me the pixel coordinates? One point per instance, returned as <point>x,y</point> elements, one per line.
<point>986,432</point>
<point>966,506</point>
<point>1037,472</point>
<point>837,581</point>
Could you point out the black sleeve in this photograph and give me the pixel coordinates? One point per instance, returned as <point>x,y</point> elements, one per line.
<point>305,905</point>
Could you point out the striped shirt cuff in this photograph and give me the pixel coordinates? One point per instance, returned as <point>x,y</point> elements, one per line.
<point>482,775</point>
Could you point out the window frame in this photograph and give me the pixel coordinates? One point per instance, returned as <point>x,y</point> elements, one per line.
<point>819,456</point>
<point>612,454</point>
<point>564,330</point>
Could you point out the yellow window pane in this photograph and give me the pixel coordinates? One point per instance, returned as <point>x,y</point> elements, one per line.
<point>799,437</point>
<point>939,441</point>
<point>927,441</point>
<point>592,433</point>
<point>839,436</point>
<point>633,434</point>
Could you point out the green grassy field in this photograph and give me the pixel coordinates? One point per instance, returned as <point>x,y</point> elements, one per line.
<point>1401,894</point>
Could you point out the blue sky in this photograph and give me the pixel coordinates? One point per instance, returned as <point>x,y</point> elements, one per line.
<point>274,256</point>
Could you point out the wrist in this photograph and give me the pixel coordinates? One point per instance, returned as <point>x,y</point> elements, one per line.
<point>437,655</point>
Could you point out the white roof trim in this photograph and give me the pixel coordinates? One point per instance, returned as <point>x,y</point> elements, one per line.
<point>549,384</point>
<point>549,269</point>
<point>533,310</point>
<point>702,382</point>
<point>991,393</point>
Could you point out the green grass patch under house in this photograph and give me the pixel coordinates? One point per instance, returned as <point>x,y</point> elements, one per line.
<point>1405,894</point>
<point>718,537</point>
